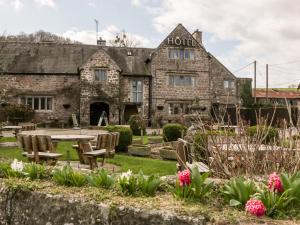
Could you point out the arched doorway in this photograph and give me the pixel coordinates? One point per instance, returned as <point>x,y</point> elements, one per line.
<point>128,111</point>
<point>96,110</point>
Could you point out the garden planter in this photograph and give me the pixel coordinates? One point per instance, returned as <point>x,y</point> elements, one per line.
<point>167,153</point>
<point>155,139</point>
<point>139,150</point>
<point>137,141</point>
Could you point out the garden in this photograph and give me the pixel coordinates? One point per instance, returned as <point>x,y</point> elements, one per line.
<point>253,173</point>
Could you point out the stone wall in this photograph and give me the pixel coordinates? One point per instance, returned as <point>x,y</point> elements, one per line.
<point>34,208</point>
<point>219,73</point>
<point>99,91</point>
<point>162,66</point>
<point>63,88</point>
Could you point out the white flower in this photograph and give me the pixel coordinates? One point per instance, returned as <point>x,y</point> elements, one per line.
<point>17,166</point>
<point>126,175</point>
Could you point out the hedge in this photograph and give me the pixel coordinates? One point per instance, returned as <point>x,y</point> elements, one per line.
<point>267,134</point>
<point>125,136</point>
<point>136,123</point>
<point>173,131</point>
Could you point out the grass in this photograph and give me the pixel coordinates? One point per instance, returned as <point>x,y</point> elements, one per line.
<point>147,165</point>
<point>7,139</point>
<point>145,139</point>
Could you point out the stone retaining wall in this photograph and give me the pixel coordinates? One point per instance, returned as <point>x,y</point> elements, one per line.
<point>35,208</point>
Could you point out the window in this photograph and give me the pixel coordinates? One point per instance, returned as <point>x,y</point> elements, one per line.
<point>179,108</point>
<point>229,84</point>
<point>100,74</point>
<point>181,80</point>
<point>177,53</point>
<point>39,103</point>
<point>137,91</point>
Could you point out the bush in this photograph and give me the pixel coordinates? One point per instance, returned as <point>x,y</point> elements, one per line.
<point>173,131</point>
<point>200,144</point>
<point>265,133</point>
<point>125,136</point>
<point>136,124</point>
<point>16,113</point>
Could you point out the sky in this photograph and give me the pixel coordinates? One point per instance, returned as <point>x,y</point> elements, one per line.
<point>236,32</point>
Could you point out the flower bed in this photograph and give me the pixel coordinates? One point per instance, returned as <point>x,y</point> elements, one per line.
<point>277,197</point>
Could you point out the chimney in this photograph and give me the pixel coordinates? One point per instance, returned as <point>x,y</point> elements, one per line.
<point>198,36</point>
<point>101,42</point>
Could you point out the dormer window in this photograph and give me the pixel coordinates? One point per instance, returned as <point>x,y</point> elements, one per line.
<point>100,74</point>
<point>181,53</point>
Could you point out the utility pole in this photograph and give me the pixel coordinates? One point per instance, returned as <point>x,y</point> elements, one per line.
<point>267,82</point>
<point>255,81</point>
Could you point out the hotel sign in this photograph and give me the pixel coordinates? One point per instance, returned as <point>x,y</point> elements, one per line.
<point>177,41</point>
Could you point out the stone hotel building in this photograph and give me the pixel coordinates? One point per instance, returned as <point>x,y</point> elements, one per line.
<point>58,80</point>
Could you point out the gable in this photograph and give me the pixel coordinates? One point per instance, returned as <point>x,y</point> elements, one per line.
<point>180,37</point>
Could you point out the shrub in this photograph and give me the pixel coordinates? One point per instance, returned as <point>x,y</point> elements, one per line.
<point>136,125</point>
<point>68,177</point>
<point>238,191</point>
<point>266,134</point>
<point>125,136</point>
<point>101,179</point>
<point>173,131</point>
<point>200,144</point>
<point>16,113</point>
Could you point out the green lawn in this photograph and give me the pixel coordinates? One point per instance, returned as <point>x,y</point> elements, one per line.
<point>147,165</point>
<point>145,139</point>
<point>7,139</point>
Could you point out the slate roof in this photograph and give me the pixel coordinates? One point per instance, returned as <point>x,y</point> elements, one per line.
<point>275,93</point>
<point>54,58</point>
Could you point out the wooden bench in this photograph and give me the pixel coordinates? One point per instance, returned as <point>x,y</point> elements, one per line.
<point>185,157</point>
<point>92,154</point>
<point>38,148</point>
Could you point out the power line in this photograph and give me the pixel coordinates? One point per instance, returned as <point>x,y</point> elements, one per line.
<point>284,63</point>
<point>243,67</point>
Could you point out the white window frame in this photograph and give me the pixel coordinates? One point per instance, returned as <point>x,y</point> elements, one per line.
<point>39,102</point>
<point>137,92</point>
<point>101,72</point>
<point>181,53</point>
<point>172,81</point>
<point>182,108</point>
<point>229,85</point>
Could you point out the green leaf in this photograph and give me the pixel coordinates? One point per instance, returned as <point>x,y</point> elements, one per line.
<point>234,203</point>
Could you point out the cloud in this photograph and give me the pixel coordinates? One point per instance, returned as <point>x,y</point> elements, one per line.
<point>49,3</point>
<point>268,31</point>
<point>108,33</point>
<point>17,5</point>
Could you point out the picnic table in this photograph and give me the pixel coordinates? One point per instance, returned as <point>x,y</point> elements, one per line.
<point>15,129</point>
<point>80,138</point>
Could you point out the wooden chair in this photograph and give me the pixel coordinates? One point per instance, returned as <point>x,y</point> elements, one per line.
<point>91,154</point>
<point>38,148</point>
<point>108,141</point>
<point>185,157</point>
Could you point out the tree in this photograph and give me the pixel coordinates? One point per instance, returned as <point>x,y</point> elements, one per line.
<point>246,95</point>
<point>124,40</point>
<point>39,36</point>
